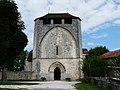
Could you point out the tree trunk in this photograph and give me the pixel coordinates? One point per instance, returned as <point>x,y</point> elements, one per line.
<point>4,75</point>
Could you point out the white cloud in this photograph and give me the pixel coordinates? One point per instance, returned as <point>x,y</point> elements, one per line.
<point>94,13</point>
<point>90,43</point>
<point>101,15</point>
<point>115,49</point>
<point>97,36</point>
<point>116,22</point>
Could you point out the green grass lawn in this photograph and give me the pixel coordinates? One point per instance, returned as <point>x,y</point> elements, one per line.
<point>85,86</point>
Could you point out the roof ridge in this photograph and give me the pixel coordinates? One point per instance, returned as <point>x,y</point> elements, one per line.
<point>110,54</point>
<point>58,15</point>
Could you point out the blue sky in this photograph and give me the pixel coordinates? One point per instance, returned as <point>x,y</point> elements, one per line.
<point>100,19</point>
<point>107,36</point>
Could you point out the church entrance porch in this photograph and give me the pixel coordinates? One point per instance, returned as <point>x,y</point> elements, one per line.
<point>57,74</point>
<point>57,71</point>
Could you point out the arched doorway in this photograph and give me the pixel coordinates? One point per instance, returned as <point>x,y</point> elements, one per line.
<point>57,74</point>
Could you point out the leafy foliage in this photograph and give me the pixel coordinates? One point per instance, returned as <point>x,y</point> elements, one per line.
<point>94,64</point>
<point>12,39</point>
<point>19,62</point>
<point>97,51</point>
<point>114,64</point>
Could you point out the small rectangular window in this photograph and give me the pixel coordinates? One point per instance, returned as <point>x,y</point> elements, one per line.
<point>68,21</point>
<point>57,21</point>
<point>46,21</point>
<point>56,50</point>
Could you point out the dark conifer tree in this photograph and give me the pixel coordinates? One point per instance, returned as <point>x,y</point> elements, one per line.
<point>12,38</point>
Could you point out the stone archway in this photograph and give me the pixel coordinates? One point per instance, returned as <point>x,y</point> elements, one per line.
<point>56,64</point>
<point>56,69</point>
<point>57,73</point>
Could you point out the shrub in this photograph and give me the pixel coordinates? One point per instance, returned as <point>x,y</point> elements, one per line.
<point>86,79</point>
<point>68,79</point>
<point>107,87</point>
<point>43,79</point>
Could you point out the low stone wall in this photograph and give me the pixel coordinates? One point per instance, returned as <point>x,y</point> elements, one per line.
<point>105,83</point>
<point>17,75</point>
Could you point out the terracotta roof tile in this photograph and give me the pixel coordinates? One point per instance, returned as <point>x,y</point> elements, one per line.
<point>112,54</point>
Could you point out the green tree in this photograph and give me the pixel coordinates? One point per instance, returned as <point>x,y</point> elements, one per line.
<point>114,64</point>
<point>19,62</point>
<point>94,64</point>
<point>117,65</point>
<point>97,51</point>
<point>12,38</point>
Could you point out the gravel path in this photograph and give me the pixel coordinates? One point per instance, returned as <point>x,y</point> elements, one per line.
<point>48,85</point>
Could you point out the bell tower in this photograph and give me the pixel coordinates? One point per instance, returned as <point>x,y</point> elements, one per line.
<point>57,48</point>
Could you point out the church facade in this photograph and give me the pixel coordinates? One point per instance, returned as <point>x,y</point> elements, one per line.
<point>57,48</point>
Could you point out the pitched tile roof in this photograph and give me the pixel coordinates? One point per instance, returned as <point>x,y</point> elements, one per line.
<point>112,54</point>
<point>58,15</point>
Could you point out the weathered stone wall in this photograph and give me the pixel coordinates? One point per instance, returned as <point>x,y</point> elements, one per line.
<point>17,75</point>
<point>28,66</point>
<point>71,68</point>
<point>105,83</point>
<point>60,38</point>
<point>41,30</point>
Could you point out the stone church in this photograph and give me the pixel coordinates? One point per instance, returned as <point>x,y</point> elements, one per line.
<point>57,47</point>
